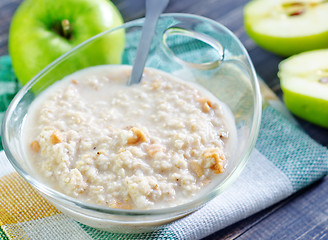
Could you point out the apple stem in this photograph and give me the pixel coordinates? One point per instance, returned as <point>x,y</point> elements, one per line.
<point>66,28</point>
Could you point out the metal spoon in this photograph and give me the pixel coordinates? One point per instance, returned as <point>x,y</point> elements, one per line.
<point>153,9</point>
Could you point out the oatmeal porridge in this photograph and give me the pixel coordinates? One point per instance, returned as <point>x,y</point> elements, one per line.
<point>151,145</point>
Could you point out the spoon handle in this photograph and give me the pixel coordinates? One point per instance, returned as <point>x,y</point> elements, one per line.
<point>153,9</point>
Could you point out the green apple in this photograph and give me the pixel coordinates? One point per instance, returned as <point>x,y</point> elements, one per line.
<point>43,30</point>
<point>287,27</point>
<point>304,82</point>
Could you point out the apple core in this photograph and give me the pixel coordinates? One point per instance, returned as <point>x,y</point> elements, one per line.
<point>287,27</point>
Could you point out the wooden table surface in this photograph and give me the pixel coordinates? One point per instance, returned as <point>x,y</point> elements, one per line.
<point>303,215</point>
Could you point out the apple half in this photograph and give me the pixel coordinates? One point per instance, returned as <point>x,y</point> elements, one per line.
<point>43,30</point>
<point>304,82</point>
<point>287,27</point>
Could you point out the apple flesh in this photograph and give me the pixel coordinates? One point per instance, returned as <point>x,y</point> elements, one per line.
<point>287,27</point>
<point>43,30</point>
<point>304,82</point>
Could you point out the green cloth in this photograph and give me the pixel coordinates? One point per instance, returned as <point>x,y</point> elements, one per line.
<point>9,86</point>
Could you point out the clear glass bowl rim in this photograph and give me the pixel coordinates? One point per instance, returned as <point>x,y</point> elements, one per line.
<point>186,207</point>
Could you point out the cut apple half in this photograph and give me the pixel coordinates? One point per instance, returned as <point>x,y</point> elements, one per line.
<point>287,27</point>
<point>304,82</point>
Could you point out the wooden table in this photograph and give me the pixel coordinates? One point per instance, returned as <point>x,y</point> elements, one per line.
<point>302,216</point>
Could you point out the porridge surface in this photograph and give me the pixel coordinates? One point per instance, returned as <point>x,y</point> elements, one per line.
<point>151,145</point>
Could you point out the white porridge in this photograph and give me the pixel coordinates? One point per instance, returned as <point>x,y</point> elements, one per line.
<point>151,145</point>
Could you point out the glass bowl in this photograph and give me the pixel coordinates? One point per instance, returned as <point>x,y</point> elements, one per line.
<point>191,47</point>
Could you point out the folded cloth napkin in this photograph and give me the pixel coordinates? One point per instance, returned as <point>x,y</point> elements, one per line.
<point>285,160</point>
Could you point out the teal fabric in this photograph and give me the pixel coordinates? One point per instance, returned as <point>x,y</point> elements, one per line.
<point>300,159</point>
<point>3,235</point>
<point>162,234</point>
<point>8,86</point>
<point>296,154</point>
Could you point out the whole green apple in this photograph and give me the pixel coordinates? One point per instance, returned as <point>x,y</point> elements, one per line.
<point>304,82</point>
<point>287,27</point>
<point>43,30</point>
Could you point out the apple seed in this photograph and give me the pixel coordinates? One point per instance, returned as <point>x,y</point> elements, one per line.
<point>299,12</point>
<point>294,8</point>
<point>323,80</point>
